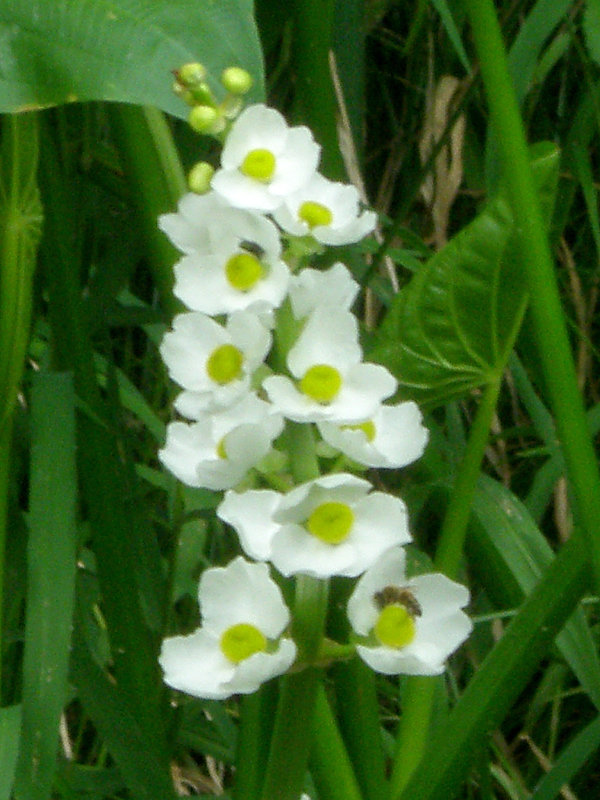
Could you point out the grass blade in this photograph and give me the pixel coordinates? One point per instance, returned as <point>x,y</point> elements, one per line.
<point>51,580</point>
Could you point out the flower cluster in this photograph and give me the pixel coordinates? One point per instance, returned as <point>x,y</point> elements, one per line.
<point>243,294</point>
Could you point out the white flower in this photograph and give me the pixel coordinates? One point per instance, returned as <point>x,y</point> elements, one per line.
<point>327,211</point>
<point>329,526</point>
<point>393,437</point>
<point>409,626</point>
<point>333,384</point>
<point>204,222</point>
<point>264,160</point>
<point>213,362</point>
<point>238,646</point>
<point>334,288</point>
<point>220,447</point>
<point>231,279</point>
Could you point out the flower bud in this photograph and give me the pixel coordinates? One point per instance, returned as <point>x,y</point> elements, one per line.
<point>200,176</point>
<point>206,119</point>
<point>236,80</point>
<point>183,93</point>
<point>190,75</point>
<point>202,94</point>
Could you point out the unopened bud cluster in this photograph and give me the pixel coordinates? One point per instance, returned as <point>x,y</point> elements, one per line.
<point>244,293</point>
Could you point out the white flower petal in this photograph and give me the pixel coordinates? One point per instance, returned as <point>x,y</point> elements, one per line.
<point>330,336</point>
<point>241,592</point>
<point>195,664</point>
<point>332,288</point>
<point>261,667</point>
<point>251,515</point>
<point>400,437</point>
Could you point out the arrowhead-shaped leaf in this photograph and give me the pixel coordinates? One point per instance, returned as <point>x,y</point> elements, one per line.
<point>67,50</point>
<point>452,328</point>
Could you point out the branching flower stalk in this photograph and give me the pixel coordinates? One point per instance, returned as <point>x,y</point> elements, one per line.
<point>267,356</point>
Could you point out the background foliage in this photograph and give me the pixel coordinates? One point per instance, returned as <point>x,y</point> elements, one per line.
<point>102,550</point>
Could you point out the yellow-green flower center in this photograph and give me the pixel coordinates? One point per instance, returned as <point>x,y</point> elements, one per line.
<point>243,271</point>
<point>259,164</point>
<point>395,626</point>
<point>241,641</point>
<point>331,522</point>
<point>321,383</point>
<point>368,428</point>
<point>224,364</point>
<point>315,214</point>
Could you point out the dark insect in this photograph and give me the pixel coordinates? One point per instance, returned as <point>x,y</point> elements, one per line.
<point>398,595</point>
<point>253,248</point>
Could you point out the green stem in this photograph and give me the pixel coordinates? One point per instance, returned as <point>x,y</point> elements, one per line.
<point>254,735</point>
<point>312,43</point>
<point>329,763</point>
<point>549,324</point>
<point>420,691</point>
<point>358,714</point>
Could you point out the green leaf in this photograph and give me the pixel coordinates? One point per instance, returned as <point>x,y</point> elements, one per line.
<point>507,548</point>
<point>453,326</point>
<point>570,761</point>
<point>50,580</point>
<point>591,28</point>
<point>10,723</point>
<point>75,50</point>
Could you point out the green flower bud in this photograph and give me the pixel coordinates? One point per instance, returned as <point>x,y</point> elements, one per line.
<point>231,106</point>
<point>183,93</point>
<point>200,176</point>
<point>202,94</point>
<point>191,74</point>
<point>206,119</point>
<point>236,80</point>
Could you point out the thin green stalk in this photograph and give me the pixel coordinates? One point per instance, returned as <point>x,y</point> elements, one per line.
<point>358,715</point>
<point>420,691</point>
<point>329,763</point>
<point>550,330</point>
<point>312,42</point>
<point>253,741</point>
<point>290,744</point>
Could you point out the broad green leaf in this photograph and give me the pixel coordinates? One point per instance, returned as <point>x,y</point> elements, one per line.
<point>510,553</point>
<point>10,724</point>
<point>452,328</point>
<point>64,51</point>
<point>50,580</point>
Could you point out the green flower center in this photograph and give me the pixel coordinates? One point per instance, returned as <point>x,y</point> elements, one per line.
<point>321,383</point>
<point>315,214</point>
<point>243,271</point>
<point>331,522</point>
<point>259,164</point>
<point>368,428</point>
<point>241,641</point>
<point>224,364</point>
<point>395,626</point>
